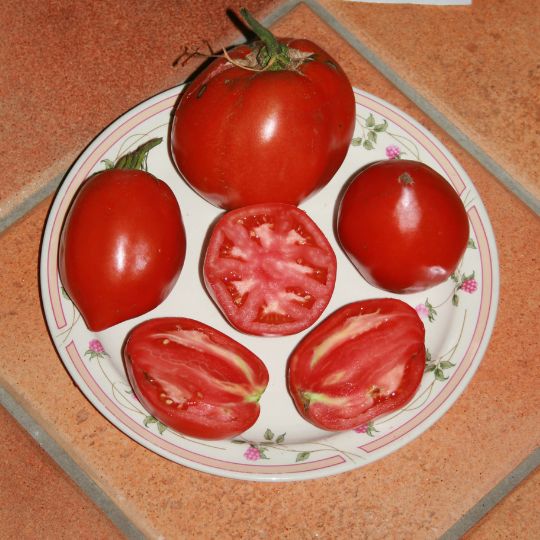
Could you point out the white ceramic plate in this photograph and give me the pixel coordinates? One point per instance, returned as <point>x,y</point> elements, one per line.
<point>458,315</point>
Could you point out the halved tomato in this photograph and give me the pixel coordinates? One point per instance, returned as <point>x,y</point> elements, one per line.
<point>364,361</point>
<point>193,378</point>
<point>270,269</point>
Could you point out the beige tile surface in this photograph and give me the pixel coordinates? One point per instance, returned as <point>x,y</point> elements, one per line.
<point>418,492</point>
<point>476,64</point>
<point>37,499</point>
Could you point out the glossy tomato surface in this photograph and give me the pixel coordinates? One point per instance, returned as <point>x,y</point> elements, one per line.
<point>241,137</point>
<point>122,246</point>
<point>402,225</point>
<point>193,378</point>
<point>270,269</point>
<point>365,360</point>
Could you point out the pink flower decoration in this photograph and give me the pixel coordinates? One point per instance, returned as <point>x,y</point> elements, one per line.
<point>422,310</point>
<point>469,286</point>
<point>393,151</point>
<point>95,346</point>
<point>252,453</point>
<point>362,429</point>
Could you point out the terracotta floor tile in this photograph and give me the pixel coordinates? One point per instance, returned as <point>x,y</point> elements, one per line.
<point>516,516</point>
<point>37,499</point>
<point>69,69</point>
<point>476,64</point>
<point>419,491</point>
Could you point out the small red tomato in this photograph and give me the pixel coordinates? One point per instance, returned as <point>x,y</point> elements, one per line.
<point>364,361</point>
<point>193,378</point>
<point>270,269</point>
<point>122,245</point>
<point>402,225</point>
<point>268,123</point>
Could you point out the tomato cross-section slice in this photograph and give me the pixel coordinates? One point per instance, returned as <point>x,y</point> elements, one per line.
<point>193,378</point>
<point>364,361</point>
<point>270,269</point>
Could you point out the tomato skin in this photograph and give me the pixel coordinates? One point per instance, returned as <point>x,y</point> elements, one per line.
<point>122,246</point>
<point>365,360</point>
<point>402,236</point>
<point>241,138</point>
<point>193,378</point>
<point>269,269</point>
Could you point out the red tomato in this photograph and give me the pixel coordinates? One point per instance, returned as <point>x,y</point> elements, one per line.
<point>122,246</point>
<point>193,378</point>
<point>270,269</point>
<point>364,361</point>
<point>403,226</point>
<point>242,137</point>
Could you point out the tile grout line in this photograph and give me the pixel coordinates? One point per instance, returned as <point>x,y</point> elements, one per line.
<point>70,467</point>
<point>493,497</point>
<point>30,202</point>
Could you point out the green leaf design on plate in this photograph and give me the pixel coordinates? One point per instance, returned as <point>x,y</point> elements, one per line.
<point>302,456</point>
<point>368,145</point>
<point>268,434</point>
<point>149,420</point>
<point>357,141</point>
<point>370,121</point>
<point>471,244</point>
<point>446,364</point>
<point>439,374</point>
<point>281,438</point>
<point>161,427</point>
<point>381,127</point>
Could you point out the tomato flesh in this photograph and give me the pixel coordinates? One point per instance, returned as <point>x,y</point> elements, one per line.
<point>270,269</point>
<point>365,360</point>
<point>193,378</point>
<point>122,246</point>
<point>403,226</point>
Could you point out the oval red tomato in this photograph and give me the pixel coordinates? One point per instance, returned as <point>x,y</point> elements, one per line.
<point>270,269</point>
<point>364,361</point>
<point>193,378</point>
<point>122,246</point>
<point>402,225</point>
<point>241,137</point>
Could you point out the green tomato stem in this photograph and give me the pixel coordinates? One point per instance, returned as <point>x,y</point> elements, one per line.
<point>273,52</point>
<point>137,158</point>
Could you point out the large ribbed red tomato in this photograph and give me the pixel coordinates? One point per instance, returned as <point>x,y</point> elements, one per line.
<point>265,125</point>
<point>193,378</point>
<point>402,225</point>
<point>363,361</point>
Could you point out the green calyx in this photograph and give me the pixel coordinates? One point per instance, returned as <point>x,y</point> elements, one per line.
<point>136,159</point>
<point>272,55</point>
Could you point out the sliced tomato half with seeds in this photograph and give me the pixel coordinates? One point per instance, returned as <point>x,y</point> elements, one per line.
<point>270,269</point>
<point>193,378</point>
